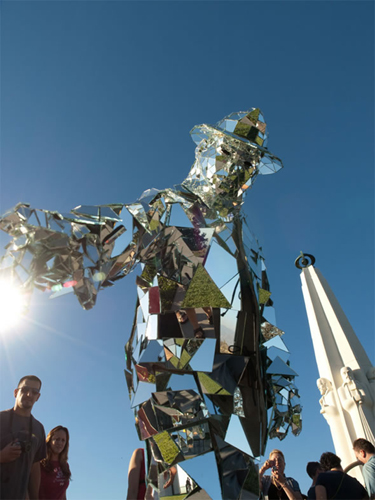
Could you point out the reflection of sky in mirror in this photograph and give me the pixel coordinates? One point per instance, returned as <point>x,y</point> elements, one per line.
<point>204,470</point>
<point>202,360</point>
<point>236,437</point>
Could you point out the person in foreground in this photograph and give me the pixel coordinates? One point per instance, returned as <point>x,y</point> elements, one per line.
<point>365,453</point>
<point>277,485</point>
<point>136,476</point>
<point>22,443</point>
<point>335,484</point>
<point>313,469</point>
<point>54,469</point>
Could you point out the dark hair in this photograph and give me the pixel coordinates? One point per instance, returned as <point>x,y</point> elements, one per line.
<point>363,444</point>
<point>312,467</point>
<point>63,456</point>
<point>31,377</point>
<point>330,461</point>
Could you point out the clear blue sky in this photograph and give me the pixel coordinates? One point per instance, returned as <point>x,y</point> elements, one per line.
<point>97,101</point>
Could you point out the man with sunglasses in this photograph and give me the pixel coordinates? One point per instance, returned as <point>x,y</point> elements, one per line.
<point>22,443</point>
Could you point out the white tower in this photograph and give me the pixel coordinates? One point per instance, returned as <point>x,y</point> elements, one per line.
<point>347,377</point>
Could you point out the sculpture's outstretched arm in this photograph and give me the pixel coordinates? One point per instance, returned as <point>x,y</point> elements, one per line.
<point>83,251</point>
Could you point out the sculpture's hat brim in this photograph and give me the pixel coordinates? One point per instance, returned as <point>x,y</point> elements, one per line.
<point>249,128</point>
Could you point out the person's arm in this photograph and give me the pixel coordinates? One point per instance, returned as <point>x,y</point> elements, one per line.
<point>267,465</point>
<point>34,481</point>
<point>290,486</point>
<point>134,474</point>
<point>320,492</point>
<point>291,493</point>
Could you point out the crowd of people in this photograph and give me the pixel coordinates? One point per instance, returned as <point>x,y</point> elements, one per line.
<point>31,466</point>
<point>329,481</point>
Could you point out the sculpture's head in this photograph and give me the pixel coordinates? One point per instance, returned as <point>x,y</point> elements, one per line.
<point>346,374</point>
<point>229,156</point>
<point>324,385</point>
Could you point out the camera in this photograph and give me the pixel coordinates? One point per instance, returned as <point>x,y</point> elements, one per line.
<point>25,445</point>
<point>275,468</point>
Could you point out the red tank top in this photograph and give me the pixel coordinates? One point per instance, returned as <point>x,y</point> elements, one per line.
<point>52,484</point>
<point>142,482</point>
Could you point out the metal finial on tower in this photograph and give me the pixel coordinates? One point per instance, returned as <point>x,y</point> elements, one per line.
<point>301,261</point>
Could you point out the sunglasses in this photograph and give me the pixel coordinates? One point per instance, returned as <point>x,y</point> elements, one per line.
<point>25,389</point>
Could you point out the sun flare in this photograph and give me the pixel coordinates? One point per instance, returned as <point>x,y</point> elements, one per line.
<point>13,305</point>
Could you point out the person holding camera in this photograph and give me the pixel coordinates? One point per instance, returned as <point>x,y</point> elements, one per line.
<point>277,486</point>
<point>22,444</point>
<point>55,471</point>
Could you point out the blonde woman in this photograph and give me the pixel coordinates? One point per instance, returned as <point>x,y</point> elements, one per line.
<point>54,469</point>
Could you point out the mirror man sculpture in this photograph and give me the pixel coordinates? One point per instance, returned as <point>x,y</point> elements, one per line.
<point>205,363</point>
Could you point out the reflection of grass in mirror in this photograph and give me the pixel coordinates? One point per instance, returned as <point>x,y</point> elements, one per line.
<point>252,480</point>
<point>168,290</point>
<point>211,386</point>
<point>175,497</point>
<point>203,292</point>
<point>148,273</point>
<point>182,362</point>
<point>167,447</point>
<point>174,361</point>
<point>185,359</point>
<point>162,379</point>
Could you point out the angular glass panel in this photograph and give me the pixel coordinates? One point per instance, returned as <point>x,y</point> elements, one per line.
<point>178,216</point>
<point>210,386</point>
<point>282,410</point>
<point>152,327</point>
<point>276,342</point>
<point>280,368</point>
<point>232,292</point>
<point>220,265</point>
<point>182,382</point>
<point>143,393</point>
<point>181,484</point>
<point>91,211</point>
<point>274,352</point>
<point>33,219</point>
<point>263,295</point>
<point>212,296</point>
<point>144,306</point>
<point>154,352</point>
<point>284,393</point>
<point>270,331</point>
<point>137,349</point>
<point>269,315</point>
<point>236,436</point>
<point>125,238</point>
<point>282,382</point>
<point>169,451</point>
<point>205,473</point>
<point>147,424</point>
<point>204,357</point>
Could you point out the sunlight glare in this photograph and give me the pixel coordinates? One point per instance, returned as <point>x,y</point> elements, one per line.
<point>12,305</point>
